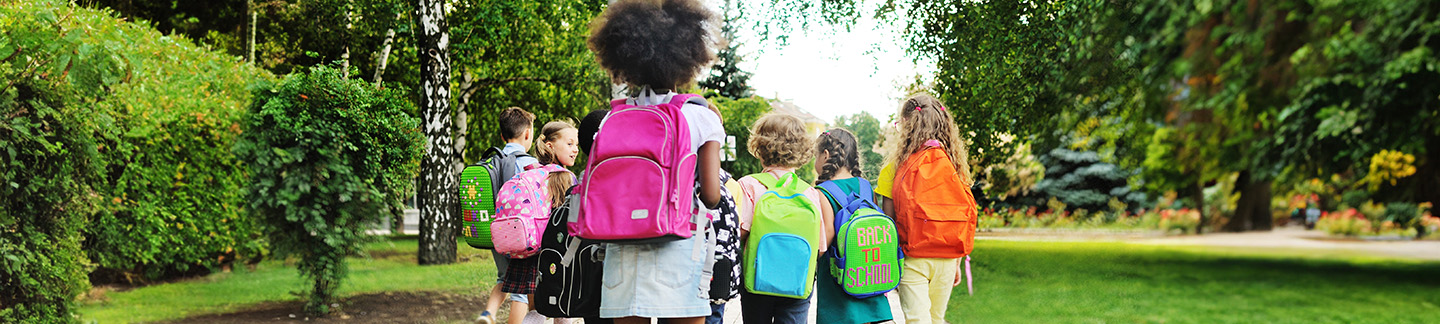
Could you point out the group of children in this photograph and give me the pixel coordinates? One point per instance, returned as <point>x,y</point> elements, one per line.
<point>657,46</point>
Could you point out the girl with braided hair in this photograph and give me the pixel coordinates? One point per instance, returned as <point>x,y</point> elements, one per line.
<point>838,159</point>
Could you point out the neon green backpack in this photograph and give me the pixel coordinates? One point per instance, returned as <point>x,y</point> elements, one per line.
<point>780,252</point>
<point>866,259</point>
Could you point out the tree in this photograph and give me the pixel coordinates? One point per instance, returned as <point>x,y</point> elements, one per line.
<point>528,54</point>
<point>739,115</point>
<point>437,198</point>
<point>868,138</point>
<point>1368,80</point>
<point>726,75</point>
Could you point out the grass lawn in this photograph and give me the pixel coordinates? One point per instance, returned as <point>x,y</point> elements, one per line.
<point>1019,282</point>
<point>1067,282</point>
<point>391,267</point>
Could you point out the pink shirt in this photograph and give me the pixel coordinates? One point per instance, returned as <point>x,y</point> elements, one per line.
<point>751,189</point>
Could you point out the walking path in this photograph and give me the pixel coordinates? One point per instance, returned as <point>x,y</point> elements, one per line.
<point>1285,238</point>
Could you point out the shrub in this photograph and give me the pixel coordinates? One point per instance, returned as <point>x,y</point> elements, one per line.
<point>49,162</point>
<point>329,158</point>
<point>172,192</point>
<point>1347,222</point>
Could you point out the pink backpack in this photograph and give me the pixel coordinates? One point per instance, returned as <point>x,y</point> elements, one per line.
<point>523,209</point>
<point>639,179</point>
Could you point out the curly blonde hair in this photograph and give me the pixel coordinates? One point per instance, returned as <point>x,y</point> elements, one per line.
<point>923,118</point>
<point>780,140</point>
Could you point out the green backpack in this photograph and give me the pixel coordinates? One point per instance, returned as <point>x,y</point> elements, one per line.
<point>478,183</point>
<point>780,252</point>
<point>866,259</point>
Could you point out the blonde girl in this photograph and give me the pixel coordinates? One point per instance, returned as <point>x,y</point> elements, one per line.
<point>926,283</point>
<point>557,143</point>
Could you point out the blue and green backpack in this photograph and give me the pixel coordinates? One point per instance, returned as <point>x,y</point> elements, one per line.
<point>780,253</point>
<point>866,259</point>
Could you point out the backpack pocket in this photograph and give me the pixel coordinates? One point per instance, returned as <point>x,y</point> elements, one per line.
<point>783,263</point>
<point>631,204</point>
<point>515,237</point>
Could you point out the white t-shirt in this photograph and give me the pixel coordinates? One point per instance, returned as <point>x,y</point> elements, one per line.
<point>705,125</point>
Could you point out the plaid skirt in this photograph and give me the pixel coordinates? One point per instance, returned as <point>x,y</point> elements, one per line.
<point>521,276</point>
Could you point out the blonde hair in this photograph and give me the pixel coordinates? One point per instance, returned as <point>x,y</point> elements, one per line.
<point>780,140</point>
<point>923,118</point>
<point>549,133</point>
<point>560,182</point>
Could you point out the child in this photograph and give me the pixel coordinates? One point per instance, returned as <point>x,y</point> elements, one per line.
<point>931,270</point>
<point>838,161</point>
<point>558,143</point>
<point>517,129</point>
<point>781,144</point>
<point>655,47</point>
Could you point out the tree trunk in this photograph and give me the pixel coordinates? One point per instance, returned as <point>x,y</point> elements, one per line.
<point>250,45</point>
<point>1252,211</point>
<point>384,57</point>
<point>437,200</point>
<point>349,32</point>
<point>1197,195</point>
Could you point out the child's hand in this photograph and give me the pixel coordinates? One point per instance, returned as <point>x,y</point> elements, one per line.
<point>959,268</point>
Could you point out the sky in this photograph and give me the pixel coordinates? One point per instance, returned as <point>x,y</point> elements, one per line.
<point>830,72</point>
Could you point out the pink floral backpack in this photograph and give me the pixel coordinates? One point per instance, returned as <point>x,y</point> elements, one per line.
<point>523,209</point>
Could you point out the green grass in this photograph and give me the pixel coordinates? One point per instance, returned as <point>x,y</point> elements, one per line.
<point>392,268</point>
<point>1067,282</point>
<point>1019,282</point>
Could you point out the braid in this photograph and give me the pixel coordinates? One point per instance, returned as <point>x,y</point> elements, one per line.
<point>841,145</point>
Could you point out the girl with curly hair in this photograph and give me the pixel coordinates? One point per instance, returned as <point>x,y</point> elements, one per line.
<point>930,271</point>
<point>782,145</point>
<point>654,47</point>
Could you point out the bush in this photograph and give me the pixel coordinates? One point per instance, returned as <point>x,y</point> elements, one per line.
<point>49,163</point>
<point>329,158</point>
<point>172,190</point>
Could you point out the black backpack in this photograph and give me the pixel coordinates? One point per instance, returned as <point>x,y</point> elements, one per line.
<point>725,233</point>
<point>571,268</point>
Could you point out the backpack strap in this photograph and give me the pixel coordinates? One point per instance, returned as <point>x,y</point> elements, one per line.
<point>682,99</point>
<point>833,189</point>
<point>767,179</point>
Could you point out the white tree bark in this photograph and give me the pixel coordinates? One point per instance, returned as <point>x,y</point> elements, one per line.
<point>438,197</point>
<point>384,57</point>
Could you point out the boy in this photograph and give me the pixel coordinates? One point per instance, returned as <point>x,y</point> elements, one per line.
<point>517,128</point>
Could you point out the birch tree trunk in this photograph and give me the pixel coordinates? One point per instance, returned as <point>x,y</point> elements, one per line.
<point>250,45</point>
<point>438,197</point>
<point>384,56</point>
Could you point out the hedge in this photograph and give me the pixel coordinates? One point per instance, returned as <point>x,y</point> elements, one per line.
<point>118,137</point>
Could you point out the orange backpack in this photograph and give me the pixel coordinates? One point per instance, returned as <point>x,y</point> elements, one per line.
<point>934,210</point>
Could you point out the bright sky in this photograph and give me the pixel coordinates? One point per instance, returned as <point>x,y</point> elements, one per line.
<point>830,72</point>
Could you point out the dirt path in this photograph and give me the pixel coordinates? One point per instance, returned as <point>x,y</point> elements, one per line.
<point>1286,238</point>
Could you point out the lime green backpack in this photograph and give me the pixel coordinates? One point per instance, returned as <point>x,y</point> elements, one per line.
<point>866,259</point>
<point>780,252</point>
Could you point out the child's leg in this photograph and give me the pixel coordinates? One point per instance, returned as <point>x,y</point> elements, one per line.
<point>915,290</point>
<point>756,308</point>
<point>793,311</point>
<point>519,307</point>
<point>717,314</point>
<point>943,271</point>
<point>502,264</point>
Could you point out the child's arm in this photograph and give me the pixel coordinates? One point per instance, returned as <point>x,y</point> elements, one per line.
<point>889,206</point>
<point>827,227</point>
<point>708,171</point>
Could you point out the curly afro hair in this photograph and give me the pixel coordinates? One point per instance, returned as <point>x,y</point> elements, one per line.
<point>662,44</point>
<point>780,140</point>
